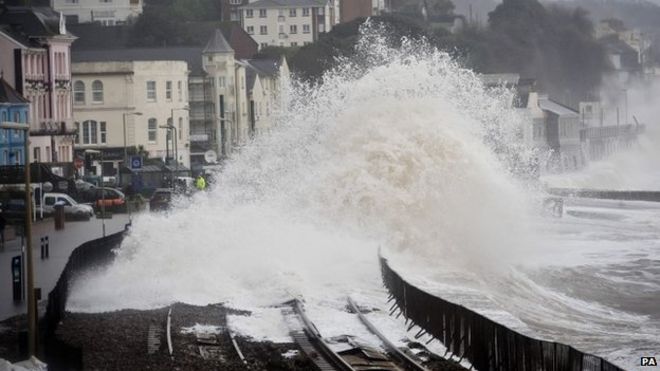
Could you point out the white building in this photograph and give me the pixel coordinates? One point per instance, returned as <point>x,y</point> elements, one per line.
<point>288,22</point>
<point>124,104</point>
<point>107,12</point>
<point>245,90</point>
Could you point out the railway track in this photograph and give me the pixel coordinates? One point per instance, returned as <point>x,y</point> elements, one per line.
<point>345,353</point>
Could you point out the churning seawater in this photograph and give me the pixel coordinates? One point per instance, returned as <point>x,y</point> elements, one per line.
<point>398,149</point>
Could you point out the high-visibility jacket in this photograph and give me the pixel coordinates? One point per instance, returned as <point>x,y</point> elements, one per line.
<point>200,183</point>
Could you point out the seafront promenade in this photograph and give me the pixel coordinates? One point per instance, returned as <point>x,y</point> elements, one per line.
<point>48,269</point>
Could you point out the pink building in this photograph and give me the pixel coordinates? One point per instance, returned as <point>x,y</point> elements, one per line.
<point>35,59</point>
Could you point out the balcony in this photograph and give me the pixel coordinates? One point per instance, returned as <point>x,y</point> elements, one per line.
<point>46,128</point>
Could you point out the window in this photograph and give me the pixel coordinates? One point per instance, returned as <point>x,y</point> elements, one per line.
<point>305,12</point>
<point>264,45</point>
<point>320,11</point>
<point>17,117</point>
<point>180,127</point>
<point>36,154</point>
<point>4,116</point>
<point>321,27</point>
<point>263,30</point>
<point>79,92</point>
<point>90,135</point>
<point>293,29</point>
<point>178,89</point>
<point>77,138</point>
<point>151,91</point>
<point>249,13</point>
<point>305,28</point>
<point>152,130</point>
<point>97,91</point>
<point>293,43</point>
<point>168,90</point>
<point>292,12</point>
<point>104,134</point>
<point>262,13</point>
<point>250,30</point>
<point>281,28</point>
<point>221,82</point>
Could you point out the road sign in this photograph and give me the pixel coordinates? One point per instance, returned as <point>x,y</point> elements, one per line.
<point>136,162</point>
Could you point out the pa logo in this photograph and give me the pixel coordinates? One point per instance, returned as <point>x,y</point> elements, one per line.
<point>649,361</point>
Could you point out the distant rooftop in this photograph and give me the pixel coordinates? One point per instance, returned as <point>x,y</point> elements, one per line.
<point>191,55</point>
<point>548,104</point>
<point>218,44</point>
<point>9,95</point>
<point>285,3</point>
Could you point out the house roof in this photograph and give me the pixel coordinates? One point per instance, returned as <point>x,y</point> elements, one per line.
<point>27,23</point>
<point>285,3</point>
<point>9,95</point>
<point>263,67</point>
<point>218,44</point>
<point>268,67</point>
<point>191,55</point>
<point>548,104</point>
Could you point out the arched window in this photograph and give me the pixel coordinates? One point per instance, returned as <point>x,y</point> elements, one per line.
<point>152,130</point>
<point>79,92</point>
<point>97,91</point>
<point>90,132</point>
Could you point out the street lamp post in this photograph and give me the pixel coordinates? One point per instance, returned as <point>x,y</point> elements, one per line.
<point>32,302</point>
<point>102,188</point>
<point>175,144</point>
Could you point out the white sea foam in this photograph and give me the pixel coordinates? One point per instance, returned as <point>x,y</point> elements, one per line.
<point>404,151</point>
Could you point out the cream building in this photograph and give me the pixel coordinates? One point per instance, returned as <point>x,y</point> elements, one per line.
<point>107,12</point>
<point>124,104</point>
<point>245,93</point>
<point>288,22</point>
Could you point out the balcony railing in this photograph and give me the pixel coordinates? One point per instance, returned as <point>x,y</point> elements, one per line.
<point>52,128</point>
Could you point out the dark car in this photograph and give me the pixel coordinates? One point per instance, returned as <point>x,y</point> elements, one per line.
<point>161,199</point>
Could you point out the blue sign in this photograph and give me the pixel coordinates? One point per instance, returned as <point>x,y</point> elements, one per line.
<point>136,162</point>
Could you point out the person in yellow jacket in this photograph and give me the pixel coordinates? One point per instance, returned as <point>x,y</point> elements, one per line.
<point>200,182</point>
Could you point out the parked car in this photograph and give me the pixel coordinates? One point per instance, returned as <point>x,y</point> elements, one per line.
<point>110,197</point>
<point>83,186</point>
<point>72,208</point>
<point>161,199</point>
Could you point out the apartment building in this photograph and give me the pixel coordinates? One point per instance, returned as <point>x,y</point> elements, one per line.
<point>288,22</point>
<point>35,60</point>
<point>124,107</point>
<point>106,12</point>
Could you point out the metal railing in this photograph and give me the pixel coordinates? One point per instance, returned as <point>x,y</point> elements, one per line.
<point>485,343</point>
